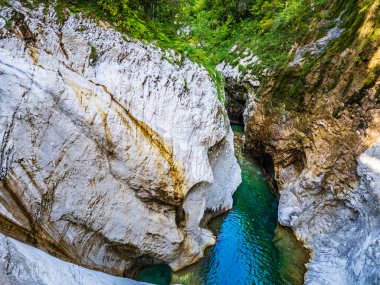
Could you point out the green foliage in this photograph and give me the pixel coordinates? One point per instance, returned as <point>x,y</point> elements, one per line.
<point>289,91</point>
<point>206,30</point>
<point>264,14</point>
<point>125,17</point>
<point>93,55</point>
<point>186,84</point>
<point>268,28</point>
<point>59,9</point>
<point>4,3</point>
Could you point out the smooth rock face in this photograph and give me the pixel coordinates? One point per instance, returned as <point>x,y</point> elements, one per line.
<point>22,264</point>
<point>110,155</point>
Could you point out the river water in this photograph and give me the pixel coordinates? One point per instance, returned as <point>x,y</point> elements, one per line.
<point>251,248</point>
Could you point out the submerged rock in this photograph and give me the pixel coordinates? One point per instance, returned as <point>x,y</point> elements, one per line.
<point>110,155</point>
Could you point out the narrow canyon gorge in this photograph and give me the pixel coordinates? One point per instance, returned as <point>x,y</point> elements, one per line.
<point>119,156</point>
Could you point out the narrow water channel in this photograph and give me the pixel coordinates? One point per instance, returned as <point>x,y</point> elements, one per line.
<point>251,248</point>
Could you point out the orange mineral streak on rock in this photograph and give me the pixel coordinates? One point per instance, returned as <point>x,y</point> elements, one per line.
<point>25,226</point>
<point>175,191</point>
<point>373,132</point>
<point>107,131</point>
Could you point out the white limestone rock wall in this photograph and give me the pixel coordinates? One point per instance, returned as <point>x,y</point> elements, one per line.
<point>99,153</point>
<point>343,232</point>
<point>21,264</point>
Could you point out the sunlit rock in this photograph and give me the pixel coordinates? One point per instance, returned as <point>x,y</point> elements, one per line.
<point>110,154</point>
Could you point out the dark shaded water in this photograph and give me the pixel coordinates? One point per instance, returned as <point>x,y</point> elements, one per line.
<point>250,248</point>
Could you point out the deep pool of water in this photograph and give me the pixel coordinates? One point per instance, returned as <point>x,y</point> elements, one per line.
<point>251,248</point>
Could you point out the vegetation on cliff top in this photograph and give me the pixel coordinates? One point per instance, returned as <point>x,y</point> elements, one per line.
<point>206,30</point>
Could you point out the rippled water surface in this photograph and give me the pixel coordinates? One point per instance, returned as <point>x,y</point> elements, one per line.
<point>250,248</point>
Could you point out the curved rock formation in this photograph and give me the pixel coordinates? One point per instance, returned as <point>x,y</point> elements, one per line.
<point>110,154</point>
<point>21,264</point>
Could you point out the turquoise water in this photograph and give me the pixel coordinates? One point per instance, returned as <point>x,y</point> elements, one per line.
<point>245,251</point>
<point>159,274</point>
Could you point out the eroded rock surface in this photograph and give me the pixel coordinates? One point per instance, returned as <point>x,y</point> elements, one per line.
<point>348,226</point>
<point>110,155</point>
<point>329,195</point>
<point>21,264</point>
<point>325,152</point>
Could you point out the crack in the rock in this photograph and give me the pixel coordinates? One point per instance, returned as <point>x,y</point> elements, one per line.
<point>6,153</point>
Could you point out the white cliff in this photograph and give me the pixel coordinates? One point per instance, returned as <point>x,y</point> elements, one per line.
<point>110,155</point>
<point>22,264</point>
